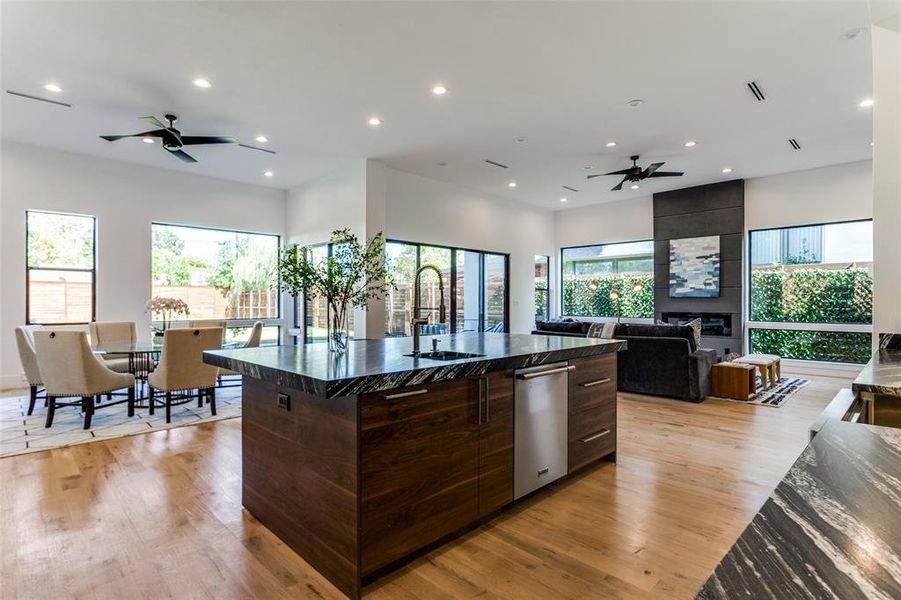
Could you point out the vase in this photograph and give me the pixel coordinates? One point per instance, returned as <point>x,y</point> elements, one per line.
<point>337,328</point>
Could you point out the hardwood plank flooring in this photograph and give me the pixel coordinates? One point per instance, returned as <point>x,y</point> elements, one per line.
<point>159,515</point>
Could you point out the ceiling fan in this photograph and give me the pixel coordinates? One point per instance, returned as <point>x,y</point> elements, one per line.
<point>635,173</point>
<point>172,138</point>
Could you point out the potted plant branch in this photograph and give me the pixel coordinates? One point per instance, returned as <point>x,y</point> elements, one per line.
<point>351,276</point>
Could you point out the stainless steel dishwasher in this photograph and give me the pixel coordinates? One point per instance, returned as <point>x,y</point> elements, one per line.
<point>540,426</point>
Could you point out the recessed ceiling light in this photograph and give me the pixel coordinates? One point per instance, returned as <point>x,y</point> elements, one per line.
<point>690,144</point>
<point>867,103</point>
<point>562,199</point>
<point>611,144</point>
<point>147,139</point>
<point>727,169</point>
<point>512,184</point>
<point>268,173</point>
<point>439,90</point>
<point>375,121</point>
<point>587,167</point>
<point>871,144</point>
<point>634,186</point>
<point>636,102</point>
<point>52,87</point>
<point>261,139</point>
<point>520,139</point>
<point>202,83</point>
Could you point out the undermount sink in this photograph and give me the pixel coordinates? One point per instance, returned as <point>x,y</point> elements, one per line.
<point>445,355</point>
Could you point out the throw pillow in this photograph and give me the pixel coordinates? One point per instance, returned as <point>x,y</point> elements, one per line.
<point>607,332</point>
<point>695,325</point>
<point>601,330</point>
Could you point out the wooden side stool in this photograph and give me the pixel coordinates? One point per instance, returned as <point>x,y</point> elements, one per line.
<point>768,365</point>
<point>733,380</point>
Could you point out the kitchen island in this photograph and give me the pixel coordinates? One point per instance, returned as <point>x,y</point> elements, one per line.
<point>362,461</point>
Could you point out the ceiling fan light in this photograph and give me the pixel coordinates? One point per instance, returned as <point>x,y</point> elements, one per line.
<point>634,186</point>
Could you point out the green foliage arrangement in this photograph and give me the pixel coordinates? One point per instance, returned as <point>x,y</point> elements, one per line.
<point>832,346</point>
<point>352,276</point>
<point>589,296</point>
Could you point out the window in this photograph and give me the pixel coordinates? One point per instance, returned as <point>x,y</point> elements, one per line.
<point>811,291</point>
<point>60,268</point>
<point>542,283</point>
<point>220,274</point>
<point>314,312</point>
<point>475,288</point>
<point>590,274</point>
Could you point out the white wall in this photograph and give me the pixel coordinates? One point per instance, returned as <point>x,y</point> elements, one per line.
<point>623,221</point>
<point>334,201</point>
<point>835,193</point>
<point>125,199</point>
<point>419,209</point>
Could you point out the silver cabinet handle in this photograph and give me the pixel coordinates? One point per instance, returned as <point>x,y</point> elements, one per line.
<point>598,382</point>
<point>535,374</point>
<point>405,394</point>
<point>597,435</point>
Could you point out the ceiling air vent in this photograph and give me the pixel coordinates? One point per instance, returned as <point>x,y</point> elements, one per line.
<point>566,187</point>
<point>260,149</point>
<point>496,164</point>
<point>794,143</point>
<point>39,99</point>
<point>755,90</point>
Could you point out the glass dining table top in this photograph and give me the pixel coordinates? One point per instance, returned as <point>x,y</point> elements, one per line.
<point>139,347</point>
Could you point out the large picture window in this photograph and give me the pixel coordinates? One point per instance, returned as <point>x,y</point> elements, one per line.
<point>811,291</point>
<point>60,268</point>
<point>315,313</point>
<point>475,288</point>
<point>542,288</point>
<point>608,280</point>
<point>220,274</point>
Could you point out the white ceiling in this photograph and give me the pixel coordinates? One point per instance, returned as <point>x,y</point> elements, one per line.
<point>309,75</point>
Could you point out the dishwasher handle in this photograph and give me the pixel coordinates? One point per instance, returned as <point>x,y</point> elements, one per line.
<point>535,374</point>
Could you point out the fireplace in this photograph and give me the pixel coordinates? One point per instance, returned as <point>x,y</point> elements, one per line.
<point>712,324</point>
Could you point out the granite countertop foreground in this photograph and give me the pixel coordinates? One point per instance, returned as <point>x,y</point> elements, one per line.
<point>831,529</point>
<point>375,365</point>
<point>882,375</point>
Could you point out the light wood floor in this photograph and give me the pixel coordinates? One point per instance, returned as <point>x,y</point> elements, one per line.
<point>159,515</point>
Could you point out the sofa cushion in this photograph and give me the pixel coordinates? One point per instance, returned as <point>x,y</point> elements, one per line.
<point>642,330</point>
<point>563,326</point>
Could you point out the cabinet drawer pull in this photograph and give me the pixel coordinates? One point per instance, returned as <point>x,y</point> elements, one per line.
<point>598,382</point>
<point>535,374</point>
<point>597,435</point>
<point>405,394</point>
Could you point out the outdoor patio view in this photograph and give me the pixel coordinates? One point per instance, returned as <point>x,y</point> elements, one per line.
<point>609,280</point>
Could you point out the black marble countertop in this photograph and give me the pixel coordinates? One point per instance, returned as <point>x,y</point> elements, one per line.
<point>882,375</point>
<point>375,365</point>
<point>831,529</point>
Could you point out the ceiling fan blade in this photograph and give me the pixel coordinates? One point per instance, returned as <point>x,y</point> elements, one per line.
<point>623,172</point>
<point>596,175</point>
<point>154,133</point>
<point>651,169</point>
<point>194,140</point>
<point>183,155</point>
<point>618,186</point>
<point>153,121</point>
<point>666,174</point>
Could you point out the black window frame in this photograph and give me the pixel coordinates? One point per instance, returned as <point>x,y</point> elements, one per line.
<point>278,320</point>
<point>452,305</point>
<point>92,270</point>
<point>561,269</point>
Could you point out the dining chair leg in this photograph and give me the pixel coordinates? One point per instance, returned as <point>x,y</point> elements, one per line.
<point>87,405</point>
<point>150,399</point>
<point>33,396</point>
<point>200,398</point>
<point>212,393</point>
<point>168,407</point>
<point>131,401</point>
<point>51,410</point>
<point>109,396</point>
<point>98,398</point>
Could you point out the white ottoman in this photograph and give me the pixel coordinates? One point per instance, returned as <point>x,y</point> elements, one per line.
<point>769,366</point>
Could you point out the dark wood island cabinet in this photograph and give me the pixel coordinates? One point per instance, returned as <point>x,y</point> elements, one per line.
<point>360,464</point>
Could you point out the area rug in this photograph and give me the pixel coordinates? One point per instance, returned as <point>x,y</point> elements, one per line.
<point>20,433</point>
<point>776,396</point>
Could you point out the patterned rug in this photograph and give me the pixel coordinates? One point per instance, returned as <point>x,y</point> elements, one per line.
<point>777,395</point>
<point>20,433</point>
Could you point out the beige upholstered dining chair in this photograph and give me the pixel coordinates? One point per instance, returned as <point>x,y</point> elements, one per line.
<point>29,359</point>
<point>113,332</point>
<point>181,369</point>
<point>253,341</point>
<point>70,369</point>
<point>204,323</point>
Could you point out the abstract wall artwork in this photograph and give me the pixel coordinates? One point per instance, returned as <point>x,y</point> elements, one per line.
<point>694,267</point>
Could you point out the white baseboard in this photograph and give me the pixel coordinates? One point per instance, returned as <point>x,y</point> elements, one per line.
<point>13,382</point>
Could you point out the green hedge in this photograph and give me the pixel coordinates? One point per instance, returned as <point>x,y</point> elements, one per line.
<point>580,300</point>
<point>812,296</point>
<point>833,346</point>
